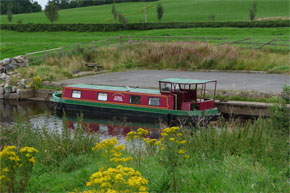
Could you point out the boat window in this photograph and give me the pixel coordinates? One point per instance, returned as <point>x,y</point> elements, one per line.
<point>135,99</point>
<point>76,94</point>
<point>102,96</point>
<point>165,87</point>
<point>154,101</point>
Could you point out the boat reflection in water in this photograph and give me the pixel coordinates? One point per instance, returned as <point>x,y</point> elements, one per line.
<point>111,128</point>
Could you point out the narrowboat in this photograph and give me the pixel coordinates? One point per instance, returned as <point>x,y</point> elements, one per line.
<point>177,99</point>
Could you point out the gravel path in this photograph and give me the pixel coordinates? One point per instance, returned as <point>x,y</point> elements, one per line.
<point>266,83</point>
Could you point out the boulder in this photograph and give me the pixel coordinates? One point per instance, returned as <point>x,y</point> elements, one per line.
<point>13,89</point>
<point>1,90</point>
<point>5,61</point>
<point>11,67</point>
<point>2,76</point>
<point>22,82</point>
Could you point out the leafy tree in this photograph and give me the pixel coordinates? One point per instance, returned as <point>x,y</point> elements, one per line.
<point>51,12</point>
<point>36,7</point>
<point>19,6</point>
<point>9,13</point>
<point>253,11</point>
<point>160,12</point>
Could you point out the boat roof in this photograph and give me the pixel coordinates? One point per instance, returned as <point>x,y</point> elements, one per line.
<point>115,88</point>
<point>185,81</point>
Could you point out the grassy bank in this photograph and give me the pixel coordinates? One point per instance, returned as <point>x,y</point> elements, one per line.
<point>180,56</point>
<point>251,156</point>
<point>18,43</point>
<point>175,10</point>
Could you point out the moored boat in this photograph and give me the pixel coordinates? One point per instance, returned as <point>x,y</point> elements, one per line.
<point>177,99</point>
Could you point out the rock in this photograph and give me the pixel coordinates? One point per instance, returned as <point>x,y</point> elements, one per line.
<point>5,61</point>
<point>27,86</point>
<point>76,71</point>
<point>45,83</point>
<point>1,90</point>
<point>2,76</point>
<point>11,96</point>
<point>11,67</point>
<point>7,89</point>
<point>13,89</point>
<point>10,73</point>
<point>25,93</point>
<point>22,82</point>
<point>56,84</point>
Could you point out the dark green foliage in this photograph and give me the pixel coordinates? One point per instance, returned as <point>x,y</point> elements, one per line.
<point>51,12</point>
<point>160,12</point>
<point>253,11</point>
<point>280,112</point>
<point>140,26</point>
<point>20,6</point>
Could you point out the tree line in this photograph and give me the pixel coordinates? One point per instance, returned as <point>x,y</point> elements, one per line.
<point>67,4</point>
<point>19,6</point>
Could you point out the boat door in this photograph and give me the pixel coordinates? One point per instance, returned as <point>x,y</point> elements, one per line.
<point>178,101</point>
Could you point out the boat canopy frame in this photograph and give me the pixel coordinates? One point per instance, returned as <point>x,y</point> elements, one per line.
<point>173,85</point>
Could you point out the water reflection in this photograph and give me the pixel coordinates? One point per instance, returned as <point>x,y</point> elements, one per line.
<point>41,114</point>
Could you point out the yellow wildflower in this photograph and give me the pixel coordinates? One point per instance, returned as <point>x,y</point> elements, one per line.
<point>32,160</point>
<point>183,141</point>
<point>181,151</point>
<point>187,156</point>
<point>28,149</point>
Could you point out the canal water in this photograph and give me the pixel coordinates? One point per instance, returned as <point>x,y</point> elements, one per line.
<point>42,114</point>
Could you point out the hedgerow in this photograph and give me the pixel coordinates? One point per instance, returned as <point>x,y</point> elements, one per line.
<point>140,26</point>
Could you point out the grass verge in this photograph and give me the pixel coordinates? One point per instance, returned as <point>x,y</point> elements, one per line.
<point>225,156</point>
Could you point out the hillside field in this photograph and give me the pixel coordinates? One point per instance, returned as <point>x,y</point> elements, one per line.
<point>18,43</point>
<point>175,10</point>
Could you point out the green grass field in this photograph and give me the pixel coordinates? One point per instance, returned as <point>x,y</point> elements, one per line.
<point>18,43</point>
<point>175,10</point>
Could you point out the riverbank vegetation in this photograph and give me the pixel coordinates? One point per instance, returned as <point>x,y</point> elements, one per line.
<point>229,156</point>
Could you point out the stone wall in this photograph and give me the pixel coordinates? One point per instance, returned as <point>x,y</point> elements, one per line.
<point>7,66</point>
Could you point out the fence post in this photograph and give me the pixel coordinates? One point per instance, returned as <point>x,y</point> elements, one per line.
<point>78,47</point>
<point>146,38</point>
<point>121,40</point>
<point>62,51</point>
<point>166,38</point>
<point>228,41</point>
<point>26,56</point>
<point>44,54</point>
<point>94,44</point>
<point>275,43</point>
<point>206,41</point>
<point>251,42</point>
<point>108,42</point>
